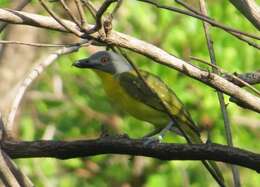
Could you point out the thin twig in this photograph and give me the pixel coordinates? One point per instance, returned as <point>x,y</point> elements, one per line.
<point>240,82</point>
<point>203,18</point>
<point>239,36</point>
<point>35,72</point>
<point>93,11</point>
<point>242,38</point>
<point>99,14</point>
<point>70,13</point>
<point>90,7</point>
<point>59,20</point>
<point>233,78</point>
<point>6,175</point>
<point>20,177</point>
<point>190,8</point>
<point>36,44</point>
<point>81,12</point>
<point>2,130</point>
<point>227,125</point>
<point>119,3</point>
<point>107,23</point>
<point>250,78</point>
<point>20,6</point>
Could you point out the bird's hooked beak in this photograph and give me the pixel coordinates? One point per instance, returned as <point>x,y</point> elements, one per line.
<point>84,63</point>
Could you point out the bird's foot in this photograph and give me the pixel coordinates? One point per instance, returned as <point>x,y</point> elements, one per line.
<point>153,139</point>
<point>157,138</point>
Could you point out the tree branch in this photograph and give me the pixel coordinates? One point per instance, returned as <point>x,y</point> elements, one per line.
<point>33,74</point>
<point>141,47</point>
<point>124,145</point>
<point>227,125</point>
<point>250,78</point>
<point>241,80</point>
<point>59,20</point>
<point>6,175</point>
<point>201,17</point>
<point>250,9</point>
<point>20,6</point>
<point>99,15</point>
<point>70,13</point>
<point>10,175</point>
<point>81,12</point>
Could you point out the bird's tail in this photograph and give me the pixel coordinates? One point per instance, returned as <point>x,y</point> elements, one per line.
<point>193,137</point>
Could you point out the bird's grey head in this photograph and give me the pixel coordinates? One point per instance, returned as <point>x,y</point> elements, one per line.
<point>106,61</point>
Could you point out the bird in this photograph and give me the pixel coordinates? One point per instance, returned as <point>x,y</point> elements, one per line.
<point>146,97</point>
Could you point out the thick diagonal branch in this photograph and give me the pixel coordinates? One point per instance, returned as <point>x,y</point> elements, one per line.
<point>250,9</point>
<point>122,40</point>
<point>250,78</point>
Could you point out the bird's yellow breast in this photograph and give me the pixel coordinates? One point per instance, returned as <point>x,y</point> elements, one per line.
<point>123,101</point>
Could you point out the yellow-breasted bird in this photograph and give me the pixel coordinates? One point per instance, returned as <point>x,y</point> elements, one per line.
<point>128,92</point>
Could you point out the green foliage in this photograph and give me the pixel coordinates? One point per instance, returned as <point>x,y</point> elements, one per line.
<point>82,91</point>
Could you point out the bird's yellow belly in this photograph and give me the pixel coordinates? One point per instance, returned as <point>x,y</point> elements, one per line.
<point>122,101</point>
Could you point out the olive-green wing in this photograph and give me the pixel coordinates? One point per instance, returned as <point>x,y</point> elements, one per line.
<point>137,89</point>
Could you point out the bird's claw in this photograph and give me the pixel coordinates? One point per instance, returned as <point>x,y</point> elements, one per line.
<point>152,139</point>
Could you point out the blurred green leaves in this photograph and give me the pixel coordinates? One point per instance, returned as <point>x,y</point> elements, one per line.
<point>82,92</point>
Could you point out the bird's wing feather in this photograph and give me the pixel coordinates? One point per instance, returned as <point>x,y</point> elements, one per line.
<point>137,89</point>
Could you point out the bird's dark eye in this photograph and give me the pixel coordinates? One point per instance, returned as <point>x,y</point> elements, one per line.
<point>104,60</point>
